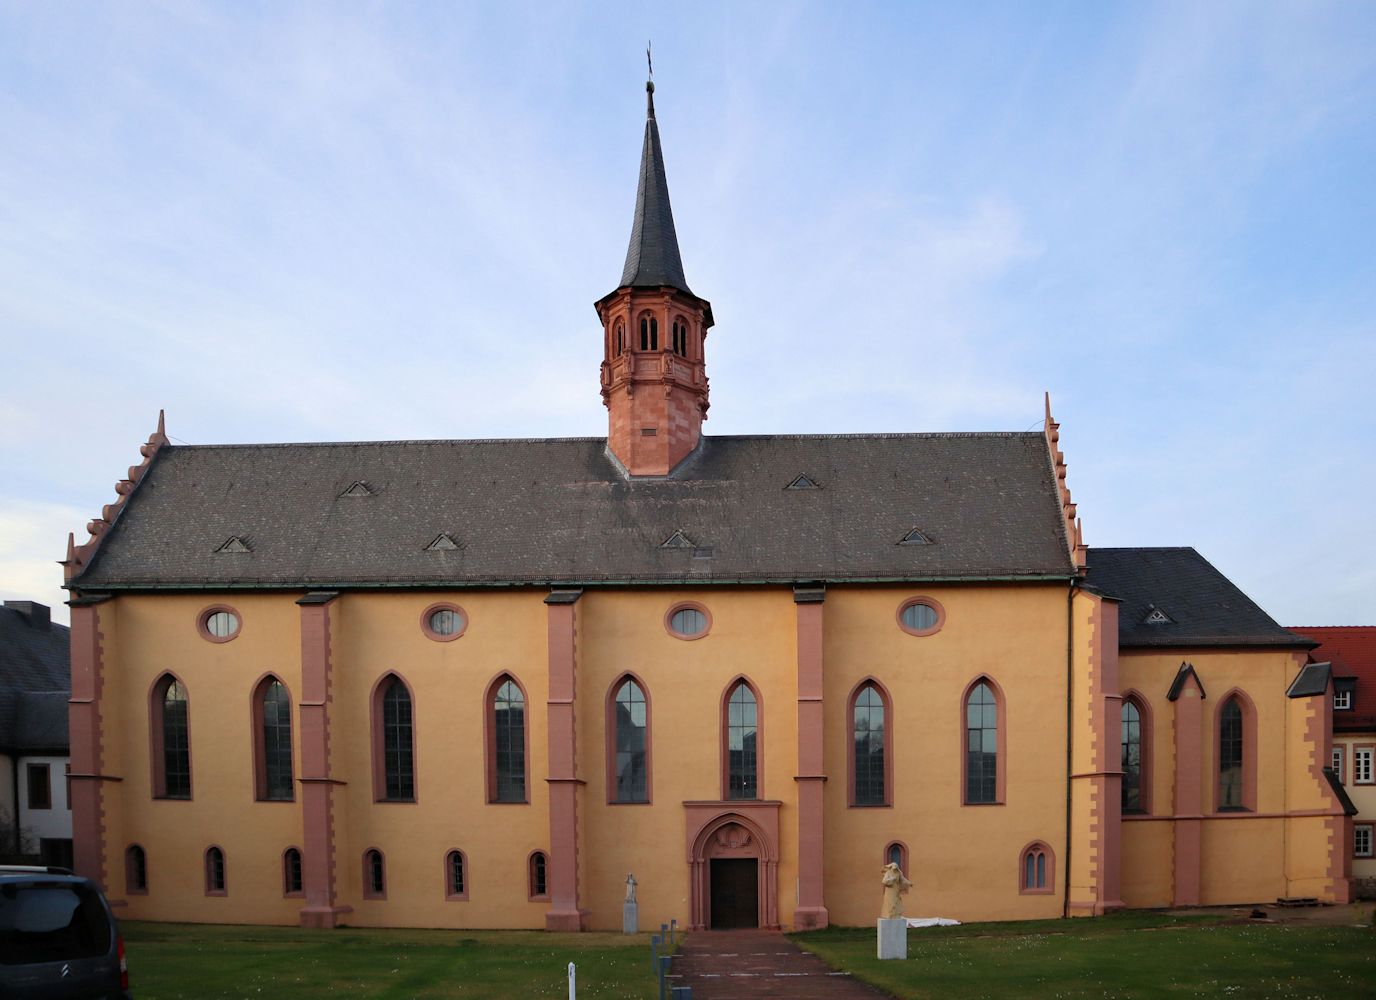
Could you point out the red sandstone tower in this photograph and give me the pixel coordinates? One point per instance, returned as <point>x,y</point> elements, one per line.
<point>654,377</point>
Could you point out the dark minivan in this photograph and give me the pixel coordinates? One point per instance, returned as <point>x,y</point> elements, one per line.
<point>58,938</point>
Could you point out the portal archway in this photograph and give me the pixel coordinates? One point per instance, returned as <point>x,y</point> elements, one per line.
<point>731,851</point>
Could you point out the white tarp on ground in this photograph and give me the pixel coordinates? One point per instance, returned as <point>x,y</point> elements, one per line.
<point>932,922</point>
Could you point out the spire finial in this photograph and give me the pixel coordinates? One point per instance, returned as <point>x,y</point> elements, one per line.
<point>649,84</point>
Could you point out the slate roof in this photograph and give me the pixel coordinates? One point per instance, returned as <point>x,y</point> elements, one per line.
<point>652,259</point>
<point>1352,651</point>
<point>1202,606</point>
<point>558,511</point>
<point>35,683</point>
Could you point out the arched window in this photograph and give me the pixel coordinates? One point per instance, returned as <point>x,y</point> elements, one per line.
<point>135,870</point>
<point>506,741</point>
<point>1036,869</point>
<point>741,735</point>
<point>620,337</point>
<point>539,872</point>
<point>681,338</point>
<point>628,724</point>
<point>455,876</point>
<point>1134,756</point>
<point>272,741</point>
<point>1230,757</point>
<point>374,874</point>
<point>171,732</point>
<point>871,759</point>
<point>649,333</point>
<point>897,854</point>
<point>215,872</point>
<point>394,755</point>
<point>291,872</point>
<point>982,718</point>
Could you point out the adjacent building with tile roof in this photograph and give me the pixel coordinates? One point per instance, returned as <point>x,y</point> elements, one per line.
<point>35,817</point>
<point>486,680</point>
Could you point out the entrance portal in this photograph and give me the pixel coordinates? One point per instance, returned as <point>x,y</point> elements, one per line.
<point>735,893</point>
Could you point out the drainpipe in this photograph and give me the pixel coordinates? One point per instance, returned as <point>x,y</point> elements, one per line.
<point>1069,747</point>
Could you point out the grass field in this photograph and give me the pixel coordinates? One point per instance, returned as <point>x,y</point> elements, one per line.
<point>1123,955</point>
<point>207,962</point>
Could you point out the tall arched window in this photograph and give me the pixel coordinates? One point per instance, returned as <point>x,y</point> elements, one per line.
<point>291,872</point>
<point>741,734</point>
<point>870,757</point>
<point>1230,757</point>
<point>272,741</point>
<point>1133,757</point>
<point>620,337</point>
<point>507,741</point>
<point>135,870</point>
<point>215,872</point>
<point>680,338</point>
<point>394,754</point>
<point>628,723</point>
<point>983,738</point>
<point>171,732</point>
<point>374,874</point>
<point>649,333</point>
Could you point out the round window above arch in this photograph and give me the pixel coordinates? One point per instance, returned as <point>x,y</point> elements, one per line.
<point>921,616</point>
<point>688,620</point>
<point>218,623</point>
<point>443,622</point>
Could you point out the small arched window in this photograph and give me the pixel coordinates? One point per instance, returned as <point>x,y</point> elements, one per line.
<point>742,733</point>
<point>394,767</point>
<point>869,754</point>
<point>1035,869</point>
<point>291,872</point>
<point>1133,756</point>
<point>897,854</point>
<point>171,751</point>
<point>680,338</point>
<point>507,747</point>
<point>620,337</point>
<point>539,876</point>
<point>455,876</point>
<point>983,770</point>
<point>630,725</point>
<point>1230,762</point>
<point>374,874</point>
<point>215,872</point>
<point>135,870</point>
<point>272,742</point>
<point>649,333</point>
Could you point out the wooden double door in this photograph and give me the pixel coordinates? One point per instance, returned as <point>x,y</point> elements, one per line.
<point>735,891</point>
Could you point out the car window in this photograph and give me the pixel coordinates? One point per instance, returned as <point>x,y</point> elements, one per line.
<point>50,923</point>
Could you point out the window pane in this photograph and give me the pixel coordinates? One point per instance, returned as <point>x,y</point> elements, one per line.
<point>1131,758</point>
<point>741,734</point>
<point>631,774</point>
<point>688,621</point>
<point>1029,873</point>
<point>981,761</point>
<point>176,744</point>
<point>1230,756</point>
<point>1041,870</point>
<point>446,622</point>
<point>277,742</point>
<point>222,624</point>
<point>869,747</point>
<point>509,735</point>
<point>919,617</point>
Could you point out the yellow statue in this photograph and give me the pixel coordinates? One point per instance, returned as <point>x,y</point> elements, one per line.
<point>895,885</point>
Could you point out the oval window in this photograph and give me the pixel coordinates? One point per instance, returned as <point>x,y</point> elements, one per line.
<point>443,622</point>
<point>921,616</point>
<point>221,624</point>
<point>688,622</point>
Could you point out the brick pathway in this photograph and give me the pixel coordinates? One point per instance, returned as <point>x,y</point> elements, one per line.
<point>726,965</point>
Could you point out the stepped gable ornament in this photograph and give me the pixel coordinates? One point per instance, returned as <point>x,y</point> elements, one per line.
<point>79,556</point>
<point>895,887</point>
<point>1074,530</point>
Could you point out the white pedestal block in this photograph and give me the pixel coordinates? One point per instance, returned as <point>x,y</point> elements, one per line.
<point>630,918</point>
<point>893,938</point>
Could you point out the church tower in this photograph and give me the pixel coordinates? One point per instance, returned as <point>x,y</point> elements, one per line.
<point>654,376</point>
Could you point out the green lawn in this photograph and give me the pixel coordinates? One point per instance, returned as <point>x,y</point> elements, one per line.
<point>209,961</point>
<point>1123,955</point>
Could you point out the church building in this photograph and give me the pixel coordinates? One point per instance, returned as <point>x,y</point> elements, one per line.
<point>485,680</point>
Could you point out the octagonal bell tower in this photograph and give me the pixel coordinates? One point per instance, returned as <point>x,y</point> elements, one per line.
<point>654,374</point>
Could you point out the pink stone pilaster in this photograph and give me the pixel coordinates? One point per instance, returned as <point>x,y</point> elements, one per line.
<point>811,912</point>
<point>84,723</point>
<point>565,787</point>
<point>319,868</point>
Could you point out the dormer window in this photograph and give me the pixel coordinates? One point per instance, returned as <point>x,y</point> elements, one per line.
<point>649,333</point>
<point>1342,700</point>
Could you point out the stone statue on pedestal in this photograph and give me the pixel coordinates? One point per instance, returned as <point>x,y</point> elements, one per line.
<point>895,887</point>
<point>630,887</point>
<point>630,909</point>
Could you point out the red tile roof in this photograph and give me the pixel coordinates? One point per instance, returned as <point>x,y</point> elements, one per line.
<point>1352,651</point>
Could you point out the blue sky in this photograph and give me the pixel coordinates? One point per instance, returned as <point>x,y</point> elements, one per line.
<point>288,222</point>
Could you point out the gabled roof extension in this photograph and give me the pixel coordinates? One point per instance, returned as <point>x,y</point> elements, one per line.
<point>1205,607</point>
<point>1352,651</point>
<point>557,511</point>
<point>35,679</point>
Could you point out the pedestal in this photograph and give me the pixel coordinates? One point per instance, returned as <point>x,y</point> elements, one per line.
<point>630,918</point>
<point>893,938</point>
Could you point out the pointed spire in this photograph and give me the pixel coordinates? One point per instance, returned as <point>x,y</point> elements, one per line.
<point>652,259</point>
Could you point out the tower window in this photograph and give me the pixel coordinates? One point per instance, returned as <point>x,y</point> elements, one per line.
<point>620,337</point>
<point>649,333</point>
<point>681,338</point>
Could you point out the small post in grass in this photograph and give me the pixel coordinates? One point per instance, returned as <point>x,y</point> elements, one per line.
<point>654,951</point>
<point>663,973</point>
<point>673,928</point>
<point>573,982</point>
